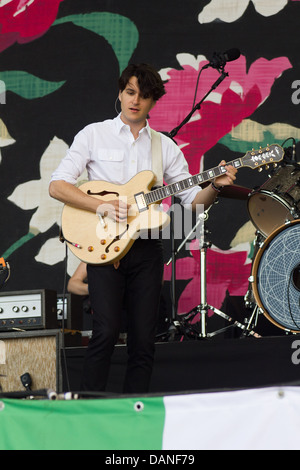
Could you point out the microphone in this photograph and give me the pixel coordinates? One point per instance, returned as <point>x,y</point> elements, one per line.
<point>219,60</point>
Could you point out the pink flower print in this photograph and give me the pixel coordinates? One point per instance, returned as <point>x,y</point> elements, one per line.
<point>25,20</point>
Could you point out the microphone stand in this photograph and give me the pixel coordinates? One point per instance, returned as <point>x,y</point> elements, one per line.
<point>198,105</point>
<point>175,326</point>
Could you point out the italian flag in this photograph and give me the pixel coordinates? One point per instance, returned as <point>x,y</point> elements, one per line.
<point>266,418</point>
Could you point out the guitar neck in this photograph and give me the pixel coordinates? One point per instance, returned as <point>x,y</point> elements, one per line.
<point>170,190</point>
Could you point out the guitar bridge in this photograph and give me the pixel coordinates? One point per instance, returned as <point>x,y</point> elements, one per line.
<point>141,202</point>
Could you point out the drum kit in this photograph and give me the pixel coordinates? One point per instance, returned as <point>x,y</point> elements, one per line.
<point>274,284</point>
<point>275,277</point>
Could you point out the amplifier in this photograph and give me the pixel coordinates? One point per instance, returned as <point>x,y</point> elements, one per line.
<point>70,309</point>
<point>27,310</point>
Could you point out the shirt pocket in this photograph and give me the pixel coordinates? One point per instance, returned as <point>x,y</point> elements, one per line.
<point>112,164</point>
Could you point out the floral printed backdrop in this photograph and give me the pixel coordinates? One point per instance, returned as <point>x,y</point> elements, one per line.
<point>59,65</point>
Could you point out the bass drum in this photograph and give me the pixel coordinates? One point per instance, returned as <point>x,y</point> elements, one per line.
<point>277,200</point>
<point>276,277</point>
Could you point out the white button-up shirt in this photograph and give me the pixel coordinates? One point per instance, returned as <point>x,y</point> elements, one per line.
<point>110,153</point>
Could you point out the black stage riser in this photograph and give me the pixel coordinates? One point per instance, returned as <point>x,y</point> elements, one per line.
<point>213,364</point>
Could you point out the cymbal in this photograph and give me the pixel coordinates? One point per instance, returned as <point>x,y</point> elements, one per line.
<point>235,192</point>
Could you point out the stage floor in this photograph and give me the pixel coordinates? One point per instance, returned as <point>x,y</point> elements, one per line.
<point>205,365</point>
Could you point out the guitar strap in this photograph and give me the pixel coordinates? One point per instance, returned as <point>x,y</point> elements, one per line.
<point>157,165</point>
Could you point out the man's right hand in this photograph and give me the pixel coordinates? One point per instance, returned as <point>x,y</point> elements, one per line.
<point>116,210</point>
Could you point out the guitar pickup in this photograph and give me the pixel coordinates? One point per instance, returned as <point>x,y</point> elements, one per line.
<point>140,202</point>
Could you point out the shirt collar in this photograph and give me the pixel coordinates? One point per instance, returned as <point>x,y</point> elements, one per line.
<point>121,125</point>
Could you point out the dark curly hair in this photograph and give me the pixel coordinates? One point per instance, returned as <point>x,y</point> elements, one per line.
<point>149,80</point>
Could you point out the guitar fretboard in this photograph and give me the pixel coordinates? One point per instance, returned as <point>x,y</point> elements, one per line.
<point>161,193</point>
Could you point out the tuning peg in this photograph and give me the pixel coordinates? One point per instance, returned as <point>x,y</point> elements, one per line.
<point>275,165</point>
<point>267,167</point>
<point>260,169</point>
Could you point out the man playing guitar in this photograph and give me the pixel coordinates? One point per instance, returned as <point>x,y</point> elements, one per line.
<point>115,151</point>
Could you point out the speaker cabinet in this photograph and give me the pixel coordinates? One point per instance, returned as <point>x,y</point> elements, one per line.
<point>36,353</point>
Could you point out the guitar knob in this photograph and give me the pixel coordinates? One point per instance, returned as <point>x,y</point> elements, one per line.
<point>90,248</point>
<point>117,248</point>
<point>103,256</point>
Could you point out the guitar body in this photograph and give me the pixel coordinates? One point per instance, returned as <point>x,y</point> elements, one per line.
<point>101,241</point>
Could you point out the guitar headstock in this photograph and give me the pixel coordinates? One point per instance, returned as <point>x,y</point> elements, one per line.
<point>264,156</point>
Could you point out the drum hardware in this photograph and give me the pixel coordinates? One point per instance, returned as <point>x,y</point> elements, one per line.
<point>252,321</point>
<point>249,298</point>
<point>202,309</point>
<point>275,204</point>
<point>183,324</point>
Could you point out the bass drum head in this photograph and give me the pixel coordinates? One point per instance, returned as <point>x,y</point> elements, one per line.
<point>276,277</point>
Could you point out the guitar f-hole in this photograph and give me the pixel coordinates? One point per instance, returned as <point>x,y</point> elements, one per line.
<point>101,193</point>
<point>116,239</point>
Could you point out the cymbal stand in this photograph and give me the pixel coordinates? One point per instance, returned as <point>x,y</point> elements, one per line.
<point>204,307</point>
<point>178,325</point>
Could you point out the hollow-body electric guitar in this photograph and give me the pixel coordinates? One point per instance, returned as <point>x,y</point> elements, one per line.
<point>97,239</point>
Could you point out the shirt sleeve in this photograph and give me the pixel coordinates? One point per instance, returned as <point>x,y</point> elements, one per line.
<point>75,161</point>
<point>175,169</point>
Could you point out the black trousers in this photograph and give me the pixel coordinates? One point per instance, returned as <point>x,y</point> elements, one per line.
<point>135,285</point>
